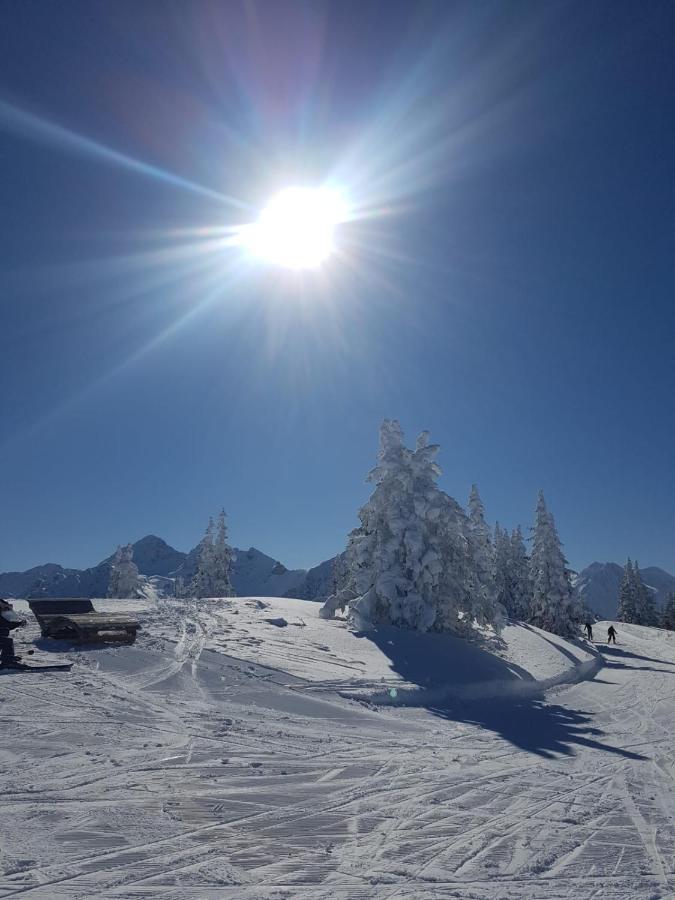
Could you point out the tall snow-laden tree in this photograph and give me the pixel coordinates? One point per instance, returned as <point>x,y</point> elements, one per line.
<point>555,607</point>
<point>512,573</point>
<point>482,575</point>
<point>393,562</point>
<point>407,564</point>
<point>521,577</point>
<point>125,580</point>
<point>503,580</point>
<point>668,618</point>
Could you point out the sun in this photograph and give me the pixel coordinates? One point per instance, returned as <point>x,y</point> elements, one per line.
<point>296,229</point>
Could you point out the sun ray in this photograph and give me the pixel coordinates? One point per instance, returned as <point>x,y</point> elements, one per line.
<point>27,125</point>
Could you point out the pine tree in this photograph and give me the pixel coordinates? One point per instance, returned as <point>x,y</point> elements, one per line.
<point>668,618</point>
<point>393,560</point>
<point>125,580</point>
<point>201,583</point>
<point>222,561</point>
<point>646,606</point>
<point>503,569</point>
<point>512,573</point>
<point>482,577</point>
<point>408,563</point>
<point>636,601</point>
<point>555,607</point>
<point>628,602</point>
<point>521,577</point>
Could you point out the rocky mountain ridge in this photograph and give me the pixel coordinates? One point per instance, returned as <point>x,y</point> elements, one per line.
<point>253,574</point>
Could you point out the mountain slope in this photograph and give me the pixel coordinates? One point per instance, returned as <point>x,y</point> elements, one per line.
<point>154,556</point>
<point>317,583</point>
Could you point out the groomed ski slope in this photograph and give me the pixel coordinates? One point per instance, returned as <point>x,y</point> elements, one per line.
<point>248,749</point>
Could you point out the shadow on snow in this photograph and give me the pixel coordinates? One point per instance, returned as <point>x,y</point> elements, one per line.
<point>456,680</point>
<point>612,650</point>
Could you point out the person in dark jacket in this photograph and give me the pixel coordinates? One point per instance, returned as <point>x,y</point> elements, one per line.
<point>9,620</point>
<point>611,635</point>
<point>589,630</point>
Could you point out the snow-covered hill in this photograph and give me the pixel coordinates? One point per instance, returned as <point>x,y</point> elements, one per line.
<point>249,750</point>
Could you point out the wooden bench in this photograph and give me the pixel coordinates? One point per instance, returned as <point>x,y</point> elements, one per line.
<point>76,619</point>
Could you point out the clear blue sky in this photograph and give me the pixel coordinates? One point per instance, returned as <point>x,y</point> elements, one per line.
<point>509,283</point>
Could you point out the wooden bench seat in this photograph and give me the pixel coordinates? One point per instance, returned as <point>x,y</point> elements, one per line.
<point>76,619</point>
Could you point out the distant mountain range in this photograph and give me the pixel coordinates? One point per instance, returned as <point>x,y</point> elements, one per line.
<point>253,574</point>
<point>599,585</point>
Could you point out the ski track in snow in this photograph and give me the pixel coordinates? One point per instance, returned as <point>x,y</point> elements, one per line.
<point>173,769</point>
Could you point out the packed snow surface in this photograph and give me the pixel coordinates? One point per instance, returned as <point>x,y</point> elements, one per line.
<point>248,749</point>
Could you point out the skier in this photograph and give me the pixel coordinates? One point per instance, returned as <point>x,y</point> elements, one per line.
<point>589,631</point>
<point>9,620</point>
<point>611,635</point>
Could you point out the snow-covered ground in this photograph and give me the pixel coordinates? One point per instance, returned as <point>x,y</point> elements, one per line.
<point>248,749</point>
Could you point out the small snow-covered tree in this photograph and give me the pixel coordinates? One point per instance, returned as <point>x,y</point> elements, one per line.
<point>668,618</point>
<point>555,607</point>
<point>646,605</point>
<point>214,564</point>
<point>125,580</point>
<point>407,564</point>
<point>222,561</point>
<point>636,601</point>
<point>482,587</point>
<point>202,581</point>
<point>628,602</point>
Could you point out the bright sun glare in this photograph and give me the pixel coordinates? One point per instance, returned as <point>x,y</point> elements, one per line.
<point>296,228</point>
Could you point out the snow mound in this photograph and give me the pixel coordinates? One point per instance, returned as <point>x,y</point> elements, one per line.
<point>330,654</point>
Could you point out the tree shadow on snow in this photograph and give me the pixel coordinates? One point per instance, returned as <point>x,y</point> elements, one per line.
<point>458,680</point>
<point>613,650</point>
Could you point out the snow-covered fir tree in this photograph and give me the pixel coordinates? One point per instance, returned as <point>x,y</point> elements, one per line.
<point>457,608</point>
<point>482,587</point>
<point>512,573</point>
<point>502,545</point>
<point>125,580</point>
<point>646,604</point>
<point>628,604</point>
<point>200,584</point>
<point>212,578</point>
<point>521,577</point>
<point>636,601</point>
<point>222,560</point>
<point>668,618</point>
<point>408,563</point>
<point>555,607</point>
